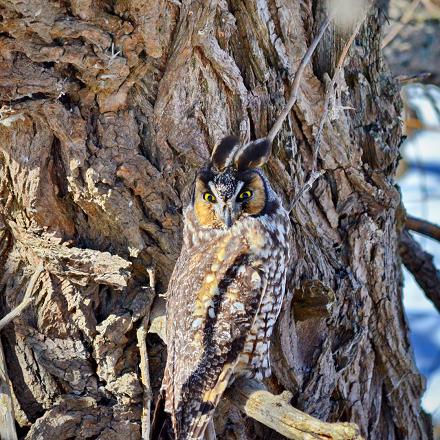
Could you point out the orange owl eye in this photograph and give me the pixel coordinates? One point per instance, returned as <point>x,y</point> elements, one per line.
<point>209,197</point>
<point>245,195</point>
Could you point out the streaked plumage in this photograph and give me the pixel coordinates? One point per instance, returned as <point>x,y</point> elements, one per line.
<point>227,286</point>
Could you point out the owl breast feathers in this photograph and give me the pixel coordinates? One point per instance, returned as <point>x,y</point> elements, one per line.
<point>227,286</point>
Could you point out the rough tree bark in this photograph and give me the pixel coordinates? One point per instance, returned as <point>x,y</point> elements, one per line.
<point>108,108</point>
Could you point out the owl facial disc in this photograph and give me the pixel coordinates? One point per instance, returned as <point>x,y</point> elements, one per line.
<point>232,187</point>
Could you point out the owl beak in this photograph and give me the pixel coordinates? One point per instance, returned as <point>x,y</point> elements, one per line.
<point>227,216</point>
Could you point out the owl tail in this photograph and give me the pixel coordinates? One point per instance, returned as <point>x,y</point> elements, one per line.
<point>197,421</point>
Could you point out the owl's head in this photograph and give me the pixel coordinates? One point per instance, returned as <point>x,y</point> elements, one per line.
<point>233,186</point>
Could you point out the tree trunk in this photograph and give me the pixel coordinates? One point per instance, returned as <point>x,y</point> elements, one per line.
<point>109,107</point>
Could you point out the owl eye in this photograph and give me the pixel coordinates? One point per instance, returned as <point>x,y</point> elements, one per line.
<point>209,197</point>
<point>245,195</point>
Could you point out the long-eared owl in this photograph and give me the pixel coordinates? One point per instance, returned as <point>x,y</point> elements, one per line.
<point>227,287</point>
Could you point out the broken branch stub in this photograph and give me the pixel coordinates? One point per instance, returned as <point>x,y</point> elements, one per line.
<point>276,412</point>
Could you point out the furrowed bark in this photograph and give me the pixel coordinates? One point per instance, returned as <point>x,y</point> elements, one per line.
<point>107,111</point>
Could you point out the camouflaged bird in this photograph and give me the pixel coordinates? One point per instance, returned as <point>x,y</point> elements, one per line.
<point>227,287</point>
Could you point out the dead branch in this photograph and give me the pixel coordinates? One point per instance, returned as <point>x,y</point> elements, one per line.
<point>295,86</point>
<point>279,122</point>
<point>274,411</point>
<point>423,227</point>
<point>27,299</point>
<point>421,265</point>
<point>414,78</point>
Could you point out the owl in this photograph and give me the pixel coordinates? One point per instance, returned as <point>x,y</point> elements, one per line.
<point>227,286</point>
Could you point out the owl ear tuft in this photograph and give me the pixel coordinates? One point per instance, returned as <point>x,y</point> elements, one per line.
<point>253,155</point>
<point>223,154</point>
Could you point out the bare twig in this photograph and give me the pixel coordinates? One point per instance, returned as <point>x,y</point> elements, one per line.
<point>413,78</point>
<point>295,85</point>
<point>421,265</point>
<point>152,277</point>
<point>417,124</point>
<point>27,299</point>
<point>113,54</point>
<point>273,411</point>
<point>406,17</point>
<point>423,227</point>
<point>330,89</point>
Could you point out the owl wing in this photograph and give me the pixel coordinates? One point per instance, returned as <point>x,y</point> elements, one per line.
<point>209,325</point>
